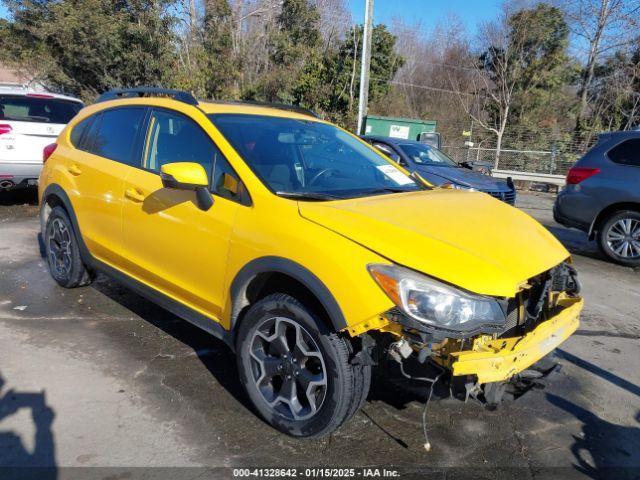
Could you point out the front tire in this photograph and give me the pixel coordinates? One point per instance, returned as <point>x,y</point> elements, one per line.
<point>295,370</point>
<point>619,238</point>
<point>63,255</point>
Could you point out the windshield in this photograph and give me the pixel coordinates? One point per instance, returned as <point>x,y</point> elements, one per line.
<point>25,108</point>
<point>310,159</point>
<point>424,154</point>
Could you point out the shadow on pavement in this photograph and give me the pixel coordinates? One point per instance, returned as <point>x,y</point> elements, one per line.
<point>604,450</point>
<point>576,242</point>
<point>600,372</point>
<point>614,449</point>
<point>220,361</point>
<point>16,461</point>
<point>214,354</point>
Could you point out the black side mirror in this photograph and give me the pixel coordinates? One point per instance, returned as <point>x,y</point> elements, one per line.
<point>466,164</point>
<point>204,200</point>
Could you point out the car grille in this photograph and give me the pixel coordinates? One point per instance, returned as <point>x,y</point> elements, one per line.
<point>508,197</point>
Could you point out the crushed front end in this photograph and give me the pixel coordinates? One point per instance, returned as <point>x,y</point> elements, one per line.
<point>483,356</point>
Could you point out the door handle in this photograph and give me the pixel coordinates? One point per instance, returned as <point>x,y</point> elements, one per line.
<point>74,169</point>
<point>134,194</point>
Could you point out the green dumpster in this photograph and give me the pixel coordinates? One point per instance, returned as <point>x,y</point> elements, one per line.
<point>406,128</point>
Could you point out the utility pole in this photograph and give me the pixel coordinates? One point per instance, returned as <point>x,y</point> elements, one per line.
<point>192,15</point>
<point>365,65</point>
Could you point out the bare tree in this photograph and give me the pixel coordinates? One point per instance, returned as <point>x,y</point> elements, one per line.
<point>422,87</point>
<point>335,20</point>
<point>615,96</point>
<point>489,95</point>
<point>602,26</point>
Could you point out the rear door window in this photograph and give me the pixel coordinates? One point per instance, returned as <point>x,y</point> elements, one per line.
<point>626,153</point>
<point>27,108</point>
<point>115,133</point>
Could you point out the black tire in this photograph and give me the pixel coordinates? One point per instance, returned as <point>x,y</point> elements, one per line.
<point>610,226</point>
<point>346,387</point>
<point>66,268</point>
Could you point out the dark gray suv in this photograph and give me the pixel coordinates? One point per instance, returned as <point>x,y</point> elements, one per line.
<point>602,196</point>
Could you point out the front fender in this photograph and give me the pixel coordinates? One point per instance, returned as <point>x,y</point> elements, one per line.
<point>273,264</point>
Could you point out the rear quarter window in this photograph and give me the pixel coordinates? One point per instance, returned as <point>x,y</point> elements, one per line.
<point>79,130</point>
<point>113,135</point>
<point>23,108</point>
<point>626,153</point>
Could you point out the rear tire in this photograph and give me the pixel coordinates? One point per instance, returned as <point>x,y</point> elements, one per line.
<point>282,346</point>
<point>619,238</point>
<point>63,254</point>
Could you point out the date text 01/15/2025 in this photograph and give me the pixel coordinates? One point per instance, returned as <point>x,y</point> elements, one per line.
<point>316,472</point>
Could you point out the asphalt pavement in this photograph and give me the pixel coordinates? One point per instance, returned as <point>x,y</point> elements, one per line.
<point>100,377</point>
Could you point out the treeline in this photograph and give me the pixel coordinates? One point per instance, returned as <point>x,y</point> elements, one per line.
<point>573,66</point>
<point>291,51</point>
<point>561,71</point>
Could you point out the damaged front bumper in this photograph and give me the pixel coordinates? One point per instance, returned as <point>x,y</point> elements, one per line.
<point>499,359</point>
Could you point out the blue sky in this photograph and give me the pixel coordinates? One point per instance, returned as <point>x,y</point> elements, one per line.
<point>428,12</point>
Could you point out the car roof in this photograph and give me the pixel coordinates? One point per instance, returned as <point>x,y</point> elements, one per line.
<point>253,109</point>
<point>620,134</point>
<point>393,140</point>
<point>25,91</point>
<point>158,96</point>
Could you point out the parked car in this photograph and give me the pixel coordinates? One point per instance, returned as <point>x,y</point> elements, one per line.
<point>602,196</point>
<point>28,122</point>
<point>436,167</point>
<point>302,247</point>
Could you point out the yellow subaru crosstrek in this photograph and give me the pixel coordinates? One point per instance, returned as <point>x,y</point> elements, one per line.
<point>303,248</point>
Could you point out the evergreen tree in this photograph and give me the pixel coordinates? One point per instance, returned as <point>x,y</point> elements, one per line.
<point>85,47</point>
<point>528,71</point>
<point>342,72</point>
<point>541,97</point>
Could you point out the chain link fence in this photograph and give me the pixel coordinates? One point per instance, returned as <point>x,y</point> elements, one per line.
<point>547,151</point>
<point>531,161</point>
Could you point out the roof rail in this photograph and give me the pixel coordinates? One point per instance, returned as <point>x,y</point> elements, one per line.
<point>177,95</point>
<point>280,106</point>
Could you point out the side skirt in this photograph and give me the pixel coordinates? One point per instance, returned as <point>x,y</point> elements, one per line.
<point>196,318</point>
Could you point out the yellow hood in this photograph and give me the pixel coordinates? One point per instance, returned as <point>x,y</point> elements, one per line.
<point>465,238</point>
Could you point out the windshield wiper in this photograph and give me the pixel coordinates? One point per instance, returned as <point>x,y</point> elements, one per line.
<point>388,190</point>
<point>307,195</point>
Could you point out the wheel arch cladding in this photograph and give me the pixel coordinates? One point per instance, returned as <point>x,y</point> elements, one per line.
<point>608,211</point>
<point>264,275</point>
<point>55,196</point>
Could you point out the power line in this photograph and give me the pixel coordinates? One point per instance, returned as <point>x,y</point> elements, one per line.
<point>439,64</point>
<point>423,87</point>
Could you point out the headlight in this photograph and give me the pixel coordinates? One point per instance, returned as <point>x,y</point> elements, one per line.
<point>434,303</point>
<point>458,187</point>
<point>464,187</point>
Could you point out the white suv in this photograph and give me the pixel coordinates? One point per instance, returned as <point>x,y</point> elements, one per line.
<point>29,121</point>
